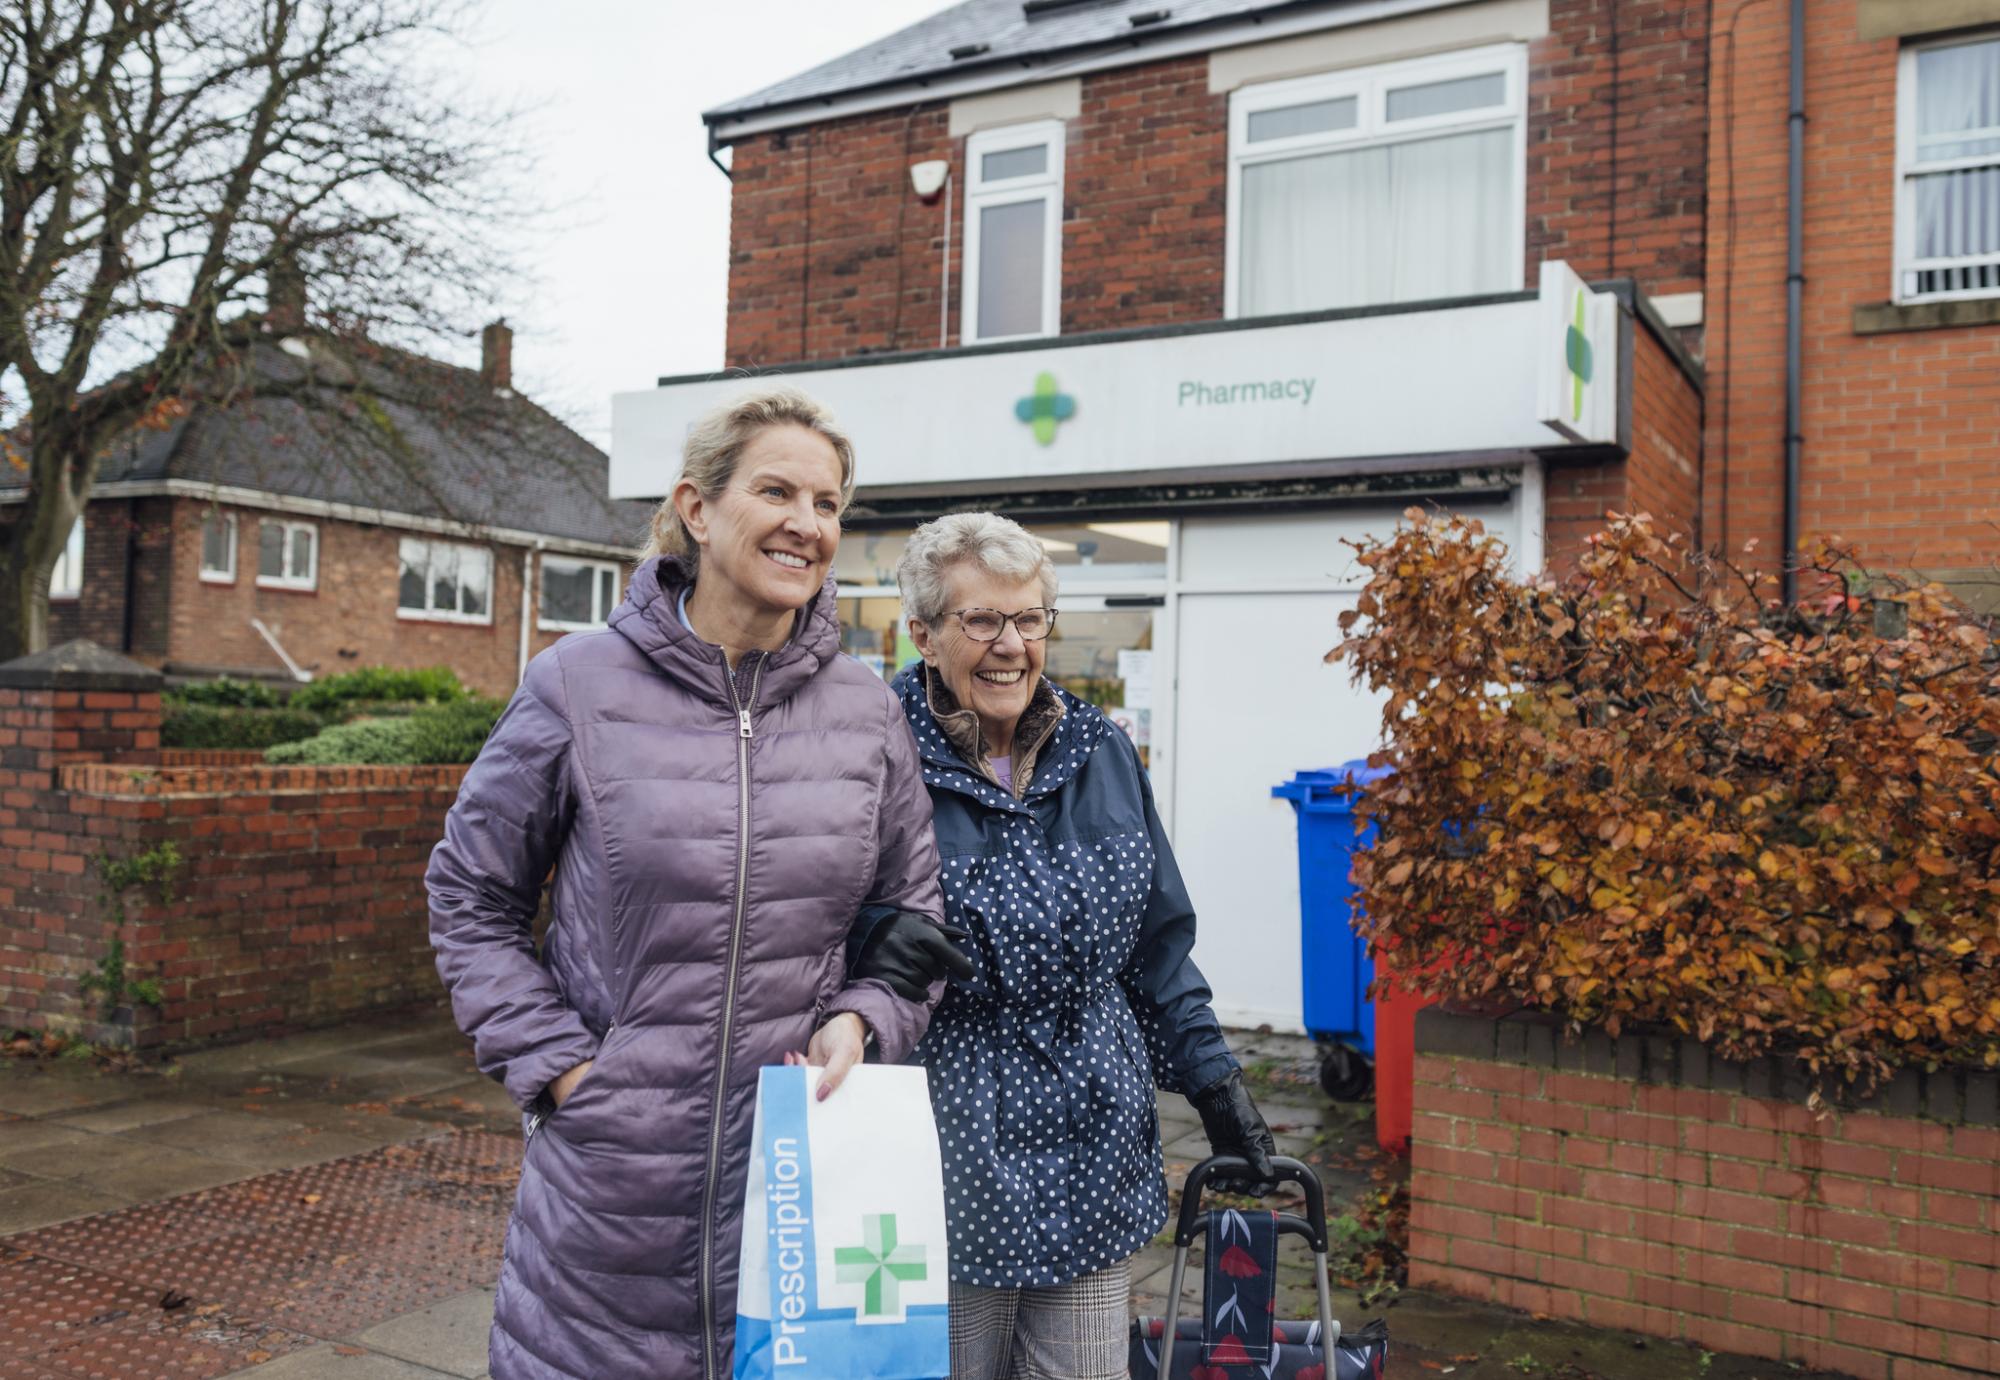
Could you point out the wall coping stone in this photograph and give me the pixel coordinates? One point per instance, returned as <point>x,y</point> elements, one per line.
<point>78,665</point>
<point>107,778</point>
<point>1539,1039</point>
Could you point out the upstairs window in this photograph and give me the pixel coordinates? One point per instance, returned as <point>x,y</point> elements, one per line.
<point>1013,232</point>
<point>577,594</point>
<point>1398,183</point>
<point>287,555</point>
<point>1948,170</point>
<point>218,547</point>
<point>66,580</point>
<point>445,580</point>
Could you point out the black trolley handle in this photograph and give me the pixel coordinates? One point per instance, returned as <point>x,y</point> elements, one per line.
<point>1191,1224</point>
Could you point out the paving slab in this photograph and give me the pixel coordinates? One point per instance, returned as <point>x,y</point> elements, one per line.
<point>87,1157</point>
<point>332,1362</point>
<point>164,1172</point>
<point>28,1089</point>
<point>44,1203</point>
<point>127,1116</point>
<point>449,1336</point>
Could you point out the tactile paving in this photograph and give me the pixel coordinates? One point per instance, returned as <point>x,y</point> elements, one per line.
<point>214,1281</point>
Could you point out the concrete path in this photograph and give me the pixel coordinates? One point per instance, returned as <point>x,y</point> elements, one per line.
<point>332,1207</point>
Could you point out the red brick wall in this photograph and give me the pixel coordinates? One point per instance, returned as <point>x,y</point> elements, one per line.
<point>1899,454</point>
<point>1857,1241</point>
<point>831,255</point>
<point>300,901</point>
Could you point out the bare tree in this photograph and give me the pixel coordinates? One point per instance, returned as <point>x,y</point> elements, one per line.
<point>168,165</point>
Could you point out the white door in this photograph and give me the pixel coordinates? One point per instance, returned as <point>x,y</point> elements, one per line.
<point>1256,705</point>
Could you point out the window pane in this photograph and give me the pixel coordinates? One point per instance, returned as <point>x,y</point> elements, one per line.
<point>1316,117</point>
<point>270,551</point>
<point>1026,162</point>
<point>1958,213</point>
<point>1445,97</point>
<point>67,577</point>
<point>218,540</point>
<point>566,592</point>
<point>1011,252</point>
<point>1411,221</point>
<point>1958,101</point>
<point>410,579</point>
<point>302,553</point>
<point>607,593</point>
<point>444,577</point>
<point>475,571</point>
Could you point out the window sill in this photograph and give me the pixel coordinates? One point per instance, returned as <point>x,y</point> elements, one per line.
<point>544,625</point>
<point>210,577</point>
<point>65,597</point>
<point>288,586</point>
<point>460,619</point>
<point>1888,318</point>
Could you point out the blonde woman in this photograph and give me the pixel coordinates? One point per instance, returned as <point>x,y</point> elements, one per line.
<point>718,792</point>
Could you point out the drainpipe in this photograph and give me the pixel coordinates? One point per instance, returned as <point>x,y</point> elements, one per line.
<point>1795,280</point>
<point>527,605</point>
<point>299,674</point>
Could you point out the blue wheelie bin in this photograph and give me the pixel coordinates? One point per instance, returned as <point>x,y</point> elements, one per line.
<point>1337,969</point>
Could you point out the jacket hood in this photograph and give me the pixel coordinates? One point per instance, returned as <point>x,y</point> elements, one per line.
<point>650,620</point>
<point>1077,734</point>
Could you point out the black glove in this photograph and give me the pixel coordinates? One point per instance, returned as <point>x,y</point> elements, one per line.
<point>910,953</point>
<point>1234,1126</point>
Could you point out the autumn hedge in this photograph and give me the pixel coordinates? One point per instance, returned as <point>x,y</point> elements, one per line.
<point>1651,793</point>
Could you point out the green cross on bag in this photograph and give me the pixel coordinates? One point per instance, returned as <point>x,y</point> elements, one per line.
<point>880,1265</point>
<point>1045,407</point>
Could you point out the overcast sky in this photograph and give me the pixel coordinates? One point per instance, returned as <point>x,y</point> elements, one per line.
<point>633,273</point>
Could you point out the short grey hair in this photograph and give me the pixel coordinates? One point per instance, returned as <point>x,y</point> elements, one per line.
<point>999,546</point>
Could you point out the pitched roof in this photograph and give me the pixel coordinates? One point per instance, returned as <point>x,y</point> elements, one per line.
<point>1012,31</point>
<point>382,429</point>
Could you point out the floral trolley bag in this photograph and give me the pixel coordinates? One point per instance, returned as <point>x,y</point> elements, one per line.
<point>1237,1337</point>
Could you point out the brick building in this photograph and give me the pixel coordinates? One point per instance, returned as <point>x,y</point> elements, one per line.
<point>1201,292</point>
<point>1900,337</point>
<point>346,509</point>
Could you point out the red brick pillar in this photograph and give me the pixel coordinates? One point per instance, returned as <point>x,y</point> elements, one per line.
<point>74,703</point>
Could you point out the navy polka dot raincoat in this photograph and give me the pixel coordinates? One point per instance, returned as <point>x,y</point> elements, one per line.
<point>1043,1066</point>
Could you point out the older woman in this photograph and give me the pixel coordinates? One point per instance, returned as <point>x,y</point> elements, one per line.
<point>718,792</point>
<point>1043,1065</point>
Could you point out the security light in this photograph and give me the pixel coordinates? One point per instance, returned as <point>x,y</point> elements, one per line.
<point>928,179</point>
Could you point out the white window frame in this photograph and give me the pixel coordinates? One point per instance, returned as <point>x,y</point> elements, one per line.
<point>66,578</point>
<point>1907,266</point>
<point>226,575</point>
<point>428,614</point>
<point>307,581</point>
<point>982,194</point>
<point>576,562</point>
<point>1370,86</point>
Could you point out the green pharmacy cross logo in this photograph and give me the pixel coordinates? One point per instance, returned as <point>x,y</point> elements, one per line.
<point>1576,348</point>
<point>1045,407</point>
<point>880,1265</point>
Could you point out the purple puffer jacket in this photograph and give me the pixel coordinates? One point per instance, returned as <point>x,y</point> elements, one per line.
<point>709,860</point>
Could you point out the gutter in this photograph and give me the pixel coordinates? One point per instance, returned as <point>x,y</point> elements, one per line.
<point>1795,280</point>
<point>264,501</point>
<point>298,674</point>
<point>528,556</point>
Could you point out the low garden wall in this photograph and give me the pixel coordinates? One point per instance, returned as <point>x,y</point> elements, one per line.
<point>1637,1183</point>
<point>171,905</point>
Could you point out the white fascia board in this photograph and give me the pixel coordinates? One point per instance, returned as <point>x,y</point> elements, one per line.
<point>1103,57</point>
<point>237,497</point>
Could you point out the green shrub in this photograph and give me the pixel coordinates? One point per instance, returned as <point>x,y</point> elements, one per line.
<point>214,726</point>
<point>225,693</point>
<point>359,741</point>
<point>433,734</point>
<point>453,733</point>
<point>431,685</point>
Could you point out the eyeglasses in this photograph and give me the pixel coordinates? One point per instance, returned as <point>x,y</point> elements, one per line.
<point>986,625</point>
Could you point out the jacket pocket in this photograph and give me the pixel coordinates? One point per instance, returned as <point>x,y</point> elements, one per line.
<point>592,1082</point>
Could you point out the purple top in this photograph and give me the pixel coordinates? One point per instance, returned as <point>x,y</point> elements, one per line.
<point>1003,768</point>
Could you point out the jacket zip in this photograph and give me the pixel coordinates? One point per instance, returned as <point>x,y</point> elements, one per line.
<point>728,1014</point>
